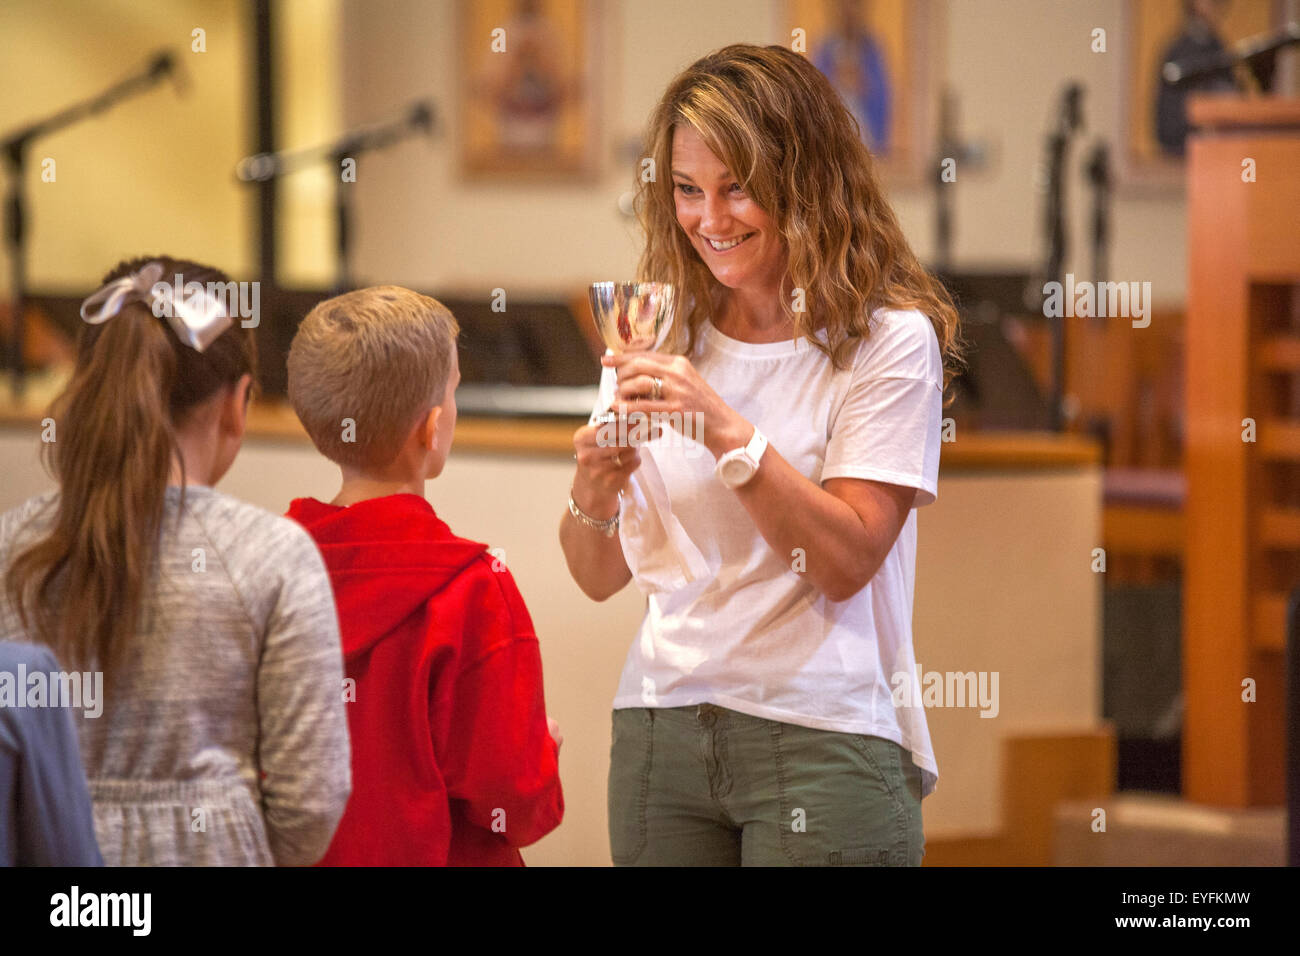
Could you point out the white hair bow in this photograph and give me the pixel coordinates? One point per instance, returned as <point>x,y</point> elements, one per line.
<point>198,319</point>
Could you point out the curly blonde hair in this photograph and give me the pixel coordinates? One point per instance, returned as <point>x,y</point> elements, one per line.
<point>784,133</point>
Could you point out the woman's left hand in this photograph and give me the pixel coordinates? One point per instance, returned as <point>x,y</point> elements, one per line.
<point>684,397</point>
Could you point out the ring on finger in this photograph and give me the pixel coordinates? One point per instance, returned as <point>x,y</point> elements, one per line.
<point>658,392</point>
<point>617,462</point>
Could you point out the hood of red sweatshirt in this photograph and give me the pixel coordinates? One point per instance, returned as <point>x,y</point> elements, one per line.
<point>386,558</point>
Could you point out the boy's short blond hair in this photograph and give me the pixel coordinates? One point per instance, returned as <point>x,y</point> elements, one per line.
<point>380,357</point>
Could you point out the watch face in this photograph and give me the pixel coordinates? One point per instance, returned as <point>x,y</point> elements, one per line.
<point>736,471</point>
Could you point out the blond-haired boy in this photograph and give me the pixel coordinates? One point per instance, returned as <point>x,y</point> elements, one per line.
<point>453,758</point>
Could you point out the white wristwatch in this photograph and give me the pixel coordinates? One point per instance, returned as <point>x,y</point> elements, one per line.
<point>738,465</point>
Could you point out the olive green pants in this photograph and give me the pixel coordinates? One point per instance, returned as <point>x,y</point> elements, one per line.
<point>707,786</point>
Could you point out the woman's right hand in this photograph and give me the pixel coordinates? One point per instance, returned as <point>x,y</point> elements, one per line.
<point>603,471</point>
<point>596,560</point>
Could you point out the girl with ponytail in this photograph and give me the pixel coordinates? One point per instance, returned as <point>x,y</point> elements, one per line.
<point>222,737</point>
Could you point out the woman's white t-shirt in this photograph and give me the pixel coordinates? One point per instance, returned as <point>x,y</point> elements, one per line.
<point>731,622</point>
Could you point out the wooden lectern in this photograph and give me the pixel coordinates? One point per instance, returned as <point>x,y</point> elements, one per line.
<point>1242,555</point>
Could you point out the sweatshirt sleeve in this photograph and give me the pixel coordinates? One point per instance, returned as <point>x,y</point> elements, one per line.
<point>304,750</point>
<point>500,759</point>
<point>53,823</point>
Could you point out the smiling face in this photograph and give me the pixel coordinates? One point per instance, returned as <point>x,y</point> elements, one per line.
<point>737,240</point>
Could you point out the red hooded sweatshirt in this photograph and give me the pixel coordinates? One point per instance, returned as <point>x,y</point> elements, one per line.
<point>452,761</point>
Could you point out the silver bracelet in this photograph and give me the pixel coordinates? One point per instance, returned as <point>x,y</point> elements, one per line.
<point>607,527</point>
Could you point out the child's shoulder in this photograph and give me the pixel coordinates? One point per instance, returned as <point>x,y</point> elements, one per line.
<point>490,568</point>
<point>32,517</point>
<point>207,502</point>
<point>480,563</point>
<point>240,528</point>
<point>37,506</point>
<point>475,560</point>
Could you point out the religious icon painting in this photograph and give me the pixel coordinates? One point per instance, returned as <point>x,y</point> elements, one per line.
<point>528,88</point>
<point>882,57</point>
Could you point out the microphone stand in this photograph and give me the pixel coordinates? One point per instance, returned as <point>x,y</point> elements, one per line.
<point>1099,177</point>
<point>971,155</point>
<point>265,166</point>
<point>948,148</point>
<point>1058,144</point>
<point>14,147</point>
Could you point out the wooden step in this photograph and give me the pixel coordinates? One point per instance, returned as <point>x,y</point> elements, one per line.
<point>1279,528</point>
<point>1279,353</point>
<point>1162,830</point>
<point>1040,769</point>
<point>1279,439</point>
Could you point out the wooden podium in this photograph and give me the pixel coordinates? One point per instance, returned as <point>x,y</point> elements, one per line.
<point>1242,554</point>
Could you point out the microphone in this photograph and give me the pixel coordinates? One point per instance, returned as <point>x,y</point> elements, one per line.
<point>161,65</point>
<point>421,117</point>
<point>164,66</point>
<point>261,167</point>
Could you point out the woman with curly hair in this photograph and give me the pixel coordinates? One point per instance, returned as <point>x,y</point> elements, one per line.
<point>762,716</point>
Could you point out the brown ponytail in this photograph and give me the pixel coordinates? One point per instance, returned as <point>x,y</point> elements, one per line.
<point>80,589</point>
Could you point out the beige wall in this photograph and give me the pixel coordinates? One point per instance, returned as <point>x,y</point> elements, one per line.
<point>1003,584</point>
<point>153,174</point>
<point>421,223</point>
<point>156,172</point>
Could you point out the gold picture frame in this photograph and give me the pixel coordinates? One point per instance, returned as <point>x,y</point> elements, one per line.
<point>883,56</point>
<point>528,89</point>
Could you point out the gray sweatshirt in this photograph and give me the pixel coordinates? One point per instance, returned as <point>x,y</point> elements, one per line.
<point>225,740</point>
